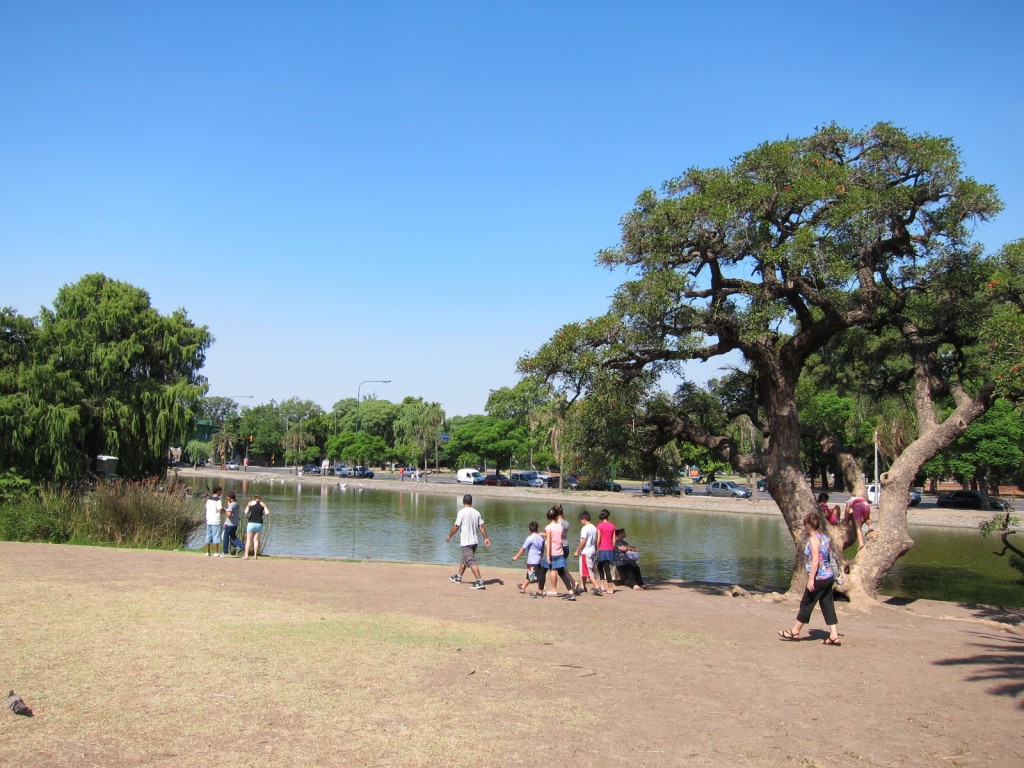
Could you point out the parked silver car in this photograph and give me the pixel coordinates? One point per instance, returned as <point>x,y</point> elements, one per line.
<point>728,488</point>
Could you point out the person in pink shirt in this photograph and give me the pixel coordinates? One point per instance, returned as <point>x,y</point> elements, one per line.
<point>605,553</point>
<point>554,555</point>
<point>860,510</point>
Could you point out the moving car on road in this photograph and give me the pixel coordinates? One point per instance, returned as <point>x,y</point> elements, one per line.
<point>728,488</point>
<point>527,479</point>
<point>469,476</point>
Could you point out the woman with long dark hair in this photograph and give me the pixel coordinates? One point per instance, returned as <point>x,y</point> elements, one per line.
<point>820,579</point>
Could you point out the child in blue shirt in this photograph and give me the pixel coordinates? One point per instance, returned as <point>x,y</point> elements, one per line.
<point>534,549</point>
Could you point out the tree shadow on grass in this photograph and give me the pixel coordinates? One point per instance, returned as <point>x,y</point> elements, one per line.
<point>999,660</point>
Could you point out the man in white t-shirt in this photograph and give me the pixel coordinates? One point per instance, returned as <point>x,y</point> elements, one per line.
<point>213,529</point>
<point>470,524</point>
<point>586,550</point>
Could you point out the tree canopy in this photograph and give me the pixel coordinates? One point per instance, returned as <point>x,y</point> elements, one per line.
<point>794,245</point>
<point>102,372</point>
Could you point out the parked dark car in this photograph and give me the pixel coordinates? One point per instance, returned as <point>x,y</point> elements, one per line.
<point>598,485</point>
<point>310,469</point>
<point>664,488</point>
<point>498,479</point>
<point>971,500</point>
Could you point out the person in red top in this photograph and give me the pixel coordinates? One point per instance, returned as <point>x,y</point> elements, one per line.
<point>605,553</point>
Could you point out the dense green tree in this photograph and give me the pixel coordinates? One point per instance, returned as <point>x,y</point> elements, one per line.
<point>528,404</point>
<point>418,426</point>
<point>377,417</point>
<point>265,426</point>
<point>792,245</point>
<point>358,448</point>
<point>478,440</point>
<point>991,450</point>
<point>103,372</point>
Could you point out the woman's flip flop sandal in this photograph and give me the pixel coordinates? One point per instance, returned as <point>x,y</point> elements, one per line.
<point>831,641</point>
<point>785,634</point>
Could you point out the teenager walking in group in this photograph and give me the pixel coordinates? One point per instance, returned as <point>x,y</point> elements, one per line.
<point>605,553</point>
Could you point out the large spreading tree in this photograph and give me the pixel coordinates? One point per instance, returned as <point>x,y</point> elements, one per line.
<point>766,262</point>
<point>102,372</point>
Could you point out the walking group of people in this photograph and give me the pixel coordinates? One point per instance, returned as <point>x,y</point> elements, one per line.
<point>222,535</point>
<point>601,547</point>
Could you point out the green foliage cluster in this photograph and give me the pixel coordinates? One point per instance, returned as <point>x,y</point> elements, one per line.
<point>1005,525</point>
<point>137,514</point>
<point>37,515</point>
<point>121,513</point>
<point>102,372</point>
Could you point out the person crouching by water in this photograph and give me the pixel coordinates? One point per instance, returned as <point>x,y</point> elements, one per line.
<point>254,513</point>
<point>820,579</point>
<point>626,558</point>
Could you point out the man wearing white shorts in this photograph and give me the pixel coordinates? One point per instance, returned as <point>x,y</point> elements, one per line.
<point>470,524</point>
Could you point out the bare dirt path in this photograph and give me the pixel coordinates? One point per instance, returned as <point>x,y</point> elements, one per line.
<point>169,658</point>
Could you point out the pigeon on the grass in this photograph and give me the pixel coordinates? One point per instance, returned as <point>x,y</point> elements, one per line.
<point>17,705</point>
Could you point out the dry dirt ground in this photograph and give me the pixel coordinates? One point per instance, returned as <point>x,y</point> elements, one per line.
<point>143,658</point>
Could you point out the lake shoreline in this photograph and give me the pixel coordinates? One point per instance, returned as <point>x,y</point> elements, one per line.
<point>761,504</point>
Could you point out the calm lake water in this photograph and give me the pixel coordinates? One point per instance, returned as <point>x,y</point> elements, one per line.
<point>326,521</point>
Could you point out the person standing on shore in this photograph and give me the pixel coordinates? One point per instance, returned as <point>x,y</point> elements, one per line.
<point>586,550</point>
<point>470,525</point>
<point>605,553</point>
<point>233,516</point>
<point>554,555</point>
<point>213,530</point>
<point>820,579</point>
<point>254,513</point>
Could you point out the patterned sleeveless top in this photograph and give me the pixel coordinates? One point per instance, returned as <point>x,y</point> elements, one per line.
<point>824,565</point>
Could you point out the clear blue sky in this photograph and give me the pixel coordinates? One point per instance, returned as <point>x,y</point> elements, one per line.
<point>416,191</point>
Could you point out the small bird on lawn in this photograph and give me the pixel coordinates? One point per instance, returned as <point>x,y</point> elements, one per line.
<point>17,706</point>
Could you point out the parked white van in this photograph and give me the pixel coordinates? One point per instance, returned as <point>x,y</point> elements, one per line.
<point>469,476</point>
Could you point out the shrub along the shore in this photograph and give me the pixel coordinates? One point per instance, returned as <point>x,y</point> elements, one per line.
<point>124,513</point>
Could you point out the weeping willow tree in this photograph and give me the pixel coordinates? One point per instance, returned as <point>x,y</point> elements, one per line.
<point>102,372</point>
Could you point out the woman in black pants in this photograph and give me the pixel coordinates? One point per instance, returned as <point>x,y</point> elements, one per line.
<point>820,579</point>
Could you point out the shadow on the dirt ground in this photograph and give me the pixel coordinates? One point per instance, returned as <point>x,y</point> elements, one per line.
<point>999,660</point>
